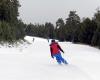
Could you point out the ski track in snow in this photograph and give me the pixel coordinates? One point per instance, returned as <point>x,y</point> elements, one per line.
<point>33,62</point>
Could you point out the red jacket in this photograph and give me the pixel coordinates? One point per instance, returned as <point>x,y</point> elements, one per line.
<point>55,48</point>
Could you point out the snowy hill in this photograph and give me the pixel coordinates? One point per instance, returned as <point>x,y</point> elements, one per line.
<point>33,62</point>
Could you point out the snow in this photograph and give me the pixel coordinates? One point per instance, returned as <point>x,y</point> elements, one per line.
<point>33,62</point>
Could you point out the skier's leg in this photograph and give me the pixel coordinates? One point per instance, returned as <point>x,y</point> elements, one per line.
<point>58,59</point>
<point>62,59</point>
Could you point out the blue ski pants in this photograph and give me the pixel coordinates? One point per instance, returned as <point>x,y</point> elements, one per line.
<point>60,59</point>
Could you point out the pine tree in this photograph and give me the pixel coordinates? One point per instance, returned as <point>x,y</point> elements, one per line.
<point>9,27</point>
<point>87,31</point>
<point>96,37</point>
<point>49,30</point>
<point>60,31</point>
<point>9,10</point>
<point>72,24</point>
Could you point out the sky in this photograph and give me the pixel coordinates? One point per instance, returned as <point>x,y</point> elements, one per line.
<point>41,11</point>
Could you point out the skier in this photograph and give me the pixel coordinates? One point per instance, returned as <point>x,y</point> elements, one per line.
<point>33,39</point>
<point>55,52</point>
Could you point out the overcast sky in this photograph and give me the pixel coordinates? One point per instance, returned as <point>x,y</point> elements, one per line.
<point>41,11</point>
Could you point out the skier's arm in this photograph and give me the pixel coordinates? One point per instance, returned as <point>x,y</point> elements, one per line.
<point>51,52</point>
<point>60,48</point>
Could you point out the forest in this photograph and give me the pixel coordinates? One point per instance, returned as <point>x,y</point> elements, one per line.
<point>72,28</point>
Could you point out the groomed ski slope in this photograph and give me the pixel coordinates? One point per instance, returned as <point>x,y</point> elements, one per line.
<point>33,62</point>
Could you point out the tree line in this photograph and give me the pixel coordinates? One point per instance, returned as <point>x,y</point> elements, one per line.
<point>72,29</point>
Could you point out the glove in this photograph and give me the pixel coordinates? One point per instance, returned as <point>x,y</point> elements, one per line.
<point>63,51</point>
